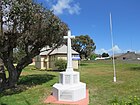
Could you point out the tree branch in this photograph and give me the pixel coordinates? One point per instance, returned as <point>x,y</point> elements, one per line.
<point>1,21</point>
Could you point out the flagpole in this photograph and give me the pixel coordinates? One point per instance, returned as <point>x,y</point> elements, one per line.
<point>112,48</point>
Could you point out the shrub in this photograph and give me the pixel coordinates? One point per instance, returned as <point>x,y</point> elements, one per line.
<point>93,56</point>
<point>60,64</point>
<point>49,69</point>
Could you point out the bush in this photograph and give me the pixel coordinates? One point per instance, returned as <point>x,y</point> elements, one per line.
<point>93,56</point>
<point>60,64</point>
<point>49,69</point>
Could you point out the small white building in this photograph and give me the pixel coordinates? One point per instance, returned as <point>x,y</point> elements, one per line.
<point>46,59</point>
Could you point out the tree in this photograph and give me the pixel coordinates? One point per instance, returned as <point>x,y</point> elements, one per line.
<point>105,55</point>
<point>93,56</point>
<point>30,27</point>
<point>18,53</point>
<point>84,45</point>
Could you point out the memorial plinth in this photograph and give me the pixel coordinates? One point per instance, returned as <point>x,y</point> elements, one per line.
<point>69,87</point>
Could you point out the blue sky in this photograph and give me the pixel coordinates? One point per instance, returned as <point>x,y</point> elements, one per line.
<point>91,17</point>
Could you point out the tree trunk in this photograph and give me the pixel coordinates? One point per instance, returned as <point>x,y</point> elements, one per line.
<point>13,76</point>
<point>1,22</point>
<point>8,62</point>
<point>22,64</point>
<point>14,72</point>
<point>2,77</point>
<point>25,61</point>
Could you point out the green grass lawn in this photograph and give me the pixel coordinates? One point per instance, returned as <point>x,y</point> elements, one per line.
<point>35,85</point>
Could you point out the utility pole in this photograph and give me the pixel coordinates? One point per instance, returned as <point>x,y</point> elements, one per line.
<point>1,22</point>
<point>112,48</point>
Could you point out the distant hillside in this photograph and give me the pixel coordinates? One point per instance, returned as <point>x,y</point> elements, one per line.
<point>128,56</point>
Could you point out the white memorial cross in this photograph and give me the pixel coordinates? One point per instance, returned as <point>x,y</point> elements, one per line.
<point>69,53</point>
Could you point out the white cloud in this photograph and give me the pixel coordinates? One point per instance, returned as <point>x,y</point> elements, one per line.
<point>129,50</point>
<point>61,6</point>
<point>75,9</point>
<point>100,51</point>
<point>115,48</point>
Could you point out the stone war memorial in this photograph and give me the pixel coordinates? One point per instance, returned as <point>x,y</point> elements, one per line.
<point>69,90</point>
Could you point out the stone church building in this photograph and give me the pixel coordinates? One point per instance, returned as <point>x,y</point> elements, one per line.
<point>46,59</point>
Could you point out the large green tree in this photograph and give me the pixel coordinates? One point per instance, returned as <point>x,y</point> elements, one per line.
<point>84,45</point>
<point>28,26</point>
<point>105,55</point>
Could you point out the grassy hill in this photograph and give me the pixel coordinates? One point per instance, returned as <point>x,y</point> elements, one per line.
<point>35,85</point>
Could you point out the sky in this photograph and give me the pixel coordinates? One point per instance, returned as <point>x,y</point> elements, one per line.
<point>92,17</point>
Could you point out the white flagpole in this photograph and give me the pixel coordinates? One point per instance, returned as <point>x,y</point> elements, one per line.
<point>112,48</point>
